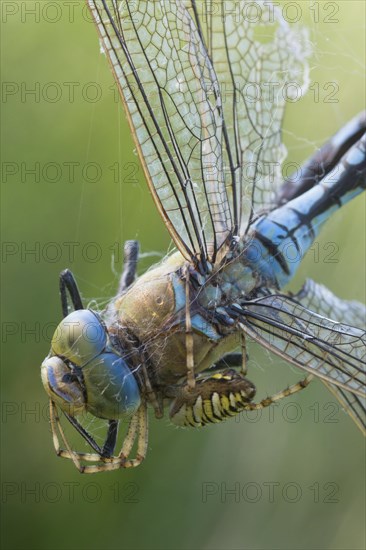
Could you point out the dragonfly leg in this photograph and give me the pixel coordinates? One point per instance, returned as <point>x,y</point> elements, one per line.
<point>151,395</point>
<point>68,453</point>
<point>131,256</point>
<point>130,438</point>
<point>110,442</point>
<point>142,441</point>
<point>280,395</point>
<point>191,381</point>
<point>68,284</point>
<point>76,457</point>
<point>138,424</point>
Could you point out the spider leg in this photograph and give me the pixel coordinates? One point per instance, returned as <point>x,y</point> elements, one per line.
<point>267,401</point>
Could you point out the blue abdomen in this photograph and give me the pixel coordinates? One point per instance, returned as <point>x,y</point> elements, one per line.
<point>279,240</point>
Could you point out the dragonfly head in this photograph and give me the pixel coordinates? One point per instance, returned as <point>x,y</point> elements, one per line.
<point>84,373</point>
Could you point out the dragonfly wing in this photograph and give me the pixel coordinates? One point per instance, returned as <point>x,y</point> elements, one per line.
<point>261,64</point>
<point>321,300</point>
<point>172,100</point>
<point>353,404</point>
<point>331,350</point>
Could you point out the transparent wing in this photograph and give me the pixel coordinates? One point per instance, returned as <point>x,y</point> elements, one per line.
<point>321,300</point>
<point>171,97</point>
<point>333,351</point>
<point>261,64</point>
<point>353,404</point>
<point>204,86</point>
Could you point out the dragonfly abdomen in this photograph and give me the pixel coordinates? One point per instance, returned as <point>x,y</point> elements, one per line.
<point>280,239</point>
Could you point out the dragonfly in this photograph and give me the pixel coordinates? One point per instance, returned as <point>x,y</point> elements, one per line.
<point>175,338</point>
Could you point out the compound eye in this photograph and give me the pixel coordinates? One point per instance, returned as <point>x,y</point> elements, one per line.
<point>79,337</point>
<point>62,386</point>
<point>111,387</point>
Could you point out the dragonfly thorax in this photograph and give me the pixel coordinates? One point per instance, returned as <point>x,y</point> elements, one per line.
<point>153,310</point>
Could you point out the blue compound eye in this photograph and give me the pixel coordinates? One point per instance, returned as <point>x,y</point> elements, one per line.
<point>79,337</point>
<point>62,386</point>
<point>112,391</point>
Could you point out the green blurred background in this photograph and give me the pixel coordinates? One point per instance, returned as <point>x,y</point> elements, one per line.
<point>180,497</point>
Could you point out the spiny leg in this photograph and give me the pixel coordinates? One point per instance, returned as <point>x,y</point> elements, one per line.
<point>56,425</point>
<point>267,401</point>
<point>68,284</point>
<point>189,337</point>
<point>138,424</point>
<point>111,439</point>
<point>103,453</point>
<point>243,353</point>
<point>151,395</point>
<point>143,438</point>
<point>130,438</point>
<point>75,456</point>
<point>130,259</point>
